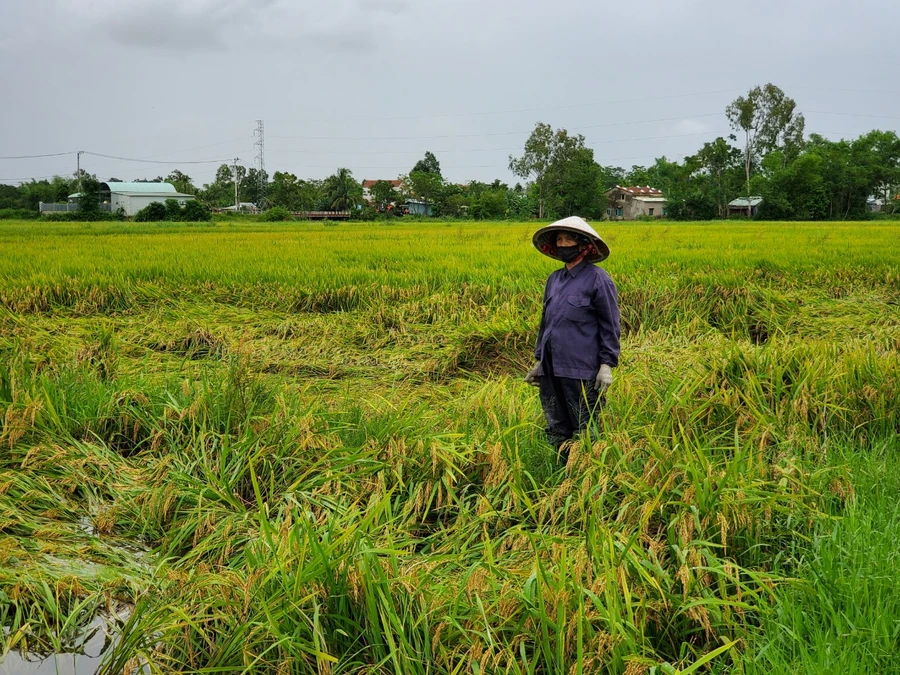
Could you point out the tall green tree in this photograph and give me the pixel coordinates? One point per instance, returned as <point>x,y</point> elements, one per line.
<point>794,190</point>
<point>62,188</point>
<point>561,168</point>
<point>221,191</point>
<point>769,121</point>
<point>879,151</point>
<point>719,164</point>
<point>30,194</point>
<point>182,182</point>
<point>225,174</point>
<point>610,176</point>
<point>575,182</point>
<point>10,197</point>
<point>312,194</point>
<point>342,191</point>
<point>285,191</point>
<point>428,164</point>
<point>491,204</point>
<point>855,169</point>
<point>89,195</point>
<point>535,160</point>
<point>426,186</point>
<point>520,205</point>
<point>667,175</point>
<point>384,194</point>
<point>637,175</point>
<point>250,186</point>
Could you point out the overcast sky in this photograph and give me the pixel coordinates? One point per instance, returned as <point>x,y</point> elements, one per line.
<point>373,84</point>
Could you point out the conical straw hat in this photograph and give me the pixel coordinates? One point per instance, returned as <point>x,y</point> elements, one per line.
<point>544,239</point>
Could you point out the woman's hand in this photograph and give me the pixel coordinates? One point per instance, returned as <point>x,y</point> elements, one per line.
<point>604,379</point>
<point>533,376</point>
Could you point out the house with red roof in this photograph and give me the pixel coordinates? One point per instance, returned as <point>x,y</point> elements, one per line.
<point>631,203</point>
<point>368,184</point>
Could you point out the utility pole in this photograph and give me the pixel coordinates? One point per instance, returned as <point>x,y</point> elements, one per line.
<point>260,145</point>
<point>78,170</point>
<point>235,173</point>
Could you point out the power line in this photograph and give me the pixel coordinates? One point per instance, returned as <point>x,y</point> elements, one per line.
<point>516,110</point>
<point>834,133</point>
<point>478,166</point>
<point>497,133</point>
<point>130,159</point>
<point>619,159</point>
<point>494,166</point>
<point>127,159</point>
<point>51,154</point>
<point>389,152</point>
<point>853,91</point>
<point>202,147</point>
<point>114,169</point>
<point>399,168</point>
<point>150,160</point>
<point>157,161</point>
<point>118,168</point>
<point>654,138</point>
<point>24,180</point>
<point>844,114</point>
<point>573,105</point>
<point>394,167</point>
<point>447,151</point>
<point>189,131</point>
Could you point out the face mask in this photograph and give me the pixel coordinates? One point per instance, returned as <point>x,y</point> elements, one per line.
<point>568,253</point>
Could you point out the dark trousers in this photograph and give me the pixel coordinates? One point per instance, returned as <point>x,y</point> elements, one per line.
<point>569,405</point>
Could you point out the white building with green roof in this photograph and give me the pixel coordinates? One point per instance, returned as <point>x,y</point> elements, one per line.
<point>132,197</point>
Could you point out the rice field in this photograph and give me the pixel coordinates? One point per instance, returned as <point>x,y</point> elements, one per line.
<point>308,448</point>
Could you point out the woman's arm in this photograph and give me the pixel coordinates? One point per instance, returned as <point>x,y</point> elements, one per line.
<point>606,304</point>
<point>540,335</point>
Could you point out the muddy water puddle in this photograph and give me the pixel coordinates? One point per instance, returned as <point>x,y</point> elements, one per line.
<point>85,658</point>
<point>83,653</point>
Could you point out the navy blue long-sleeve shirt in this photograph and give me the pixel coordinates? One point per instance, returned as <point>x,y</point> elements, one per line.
<point>580,321</point>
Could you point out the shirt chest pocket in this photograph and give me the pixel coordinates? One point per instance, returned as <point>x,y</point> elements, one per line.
<point>577,308</point>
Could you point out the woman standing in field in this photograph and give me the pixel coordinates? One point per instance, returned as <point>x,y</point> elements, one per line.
<point>578,341</point>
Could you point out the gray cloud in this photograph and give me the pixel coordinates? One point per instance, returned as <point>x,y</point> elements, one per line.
<point>178,25</point>
<point>468,79</point>
<point>218,25</point>
<point>167,25</point>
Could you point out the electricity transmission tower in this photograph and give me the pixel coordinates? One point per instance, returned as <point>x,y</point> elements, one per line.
<point>260,146</point>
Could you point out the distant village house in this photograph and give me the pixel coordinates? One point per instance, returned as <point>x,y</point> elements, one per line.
<point>631,203</point>
<point>744,207</point>
<point>367,186</point>
<point>887,204</point>
<point>130,197</point>
<point>416,207</point>
<point>243,207</point>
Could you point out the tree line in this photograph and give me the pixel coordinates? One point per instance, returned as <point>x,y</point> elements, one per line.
<point>768,155</point>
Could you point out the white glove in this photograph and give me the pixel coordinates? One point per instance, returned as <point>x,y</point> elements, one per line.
<point>533,377</point>
<point>604,379</point>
